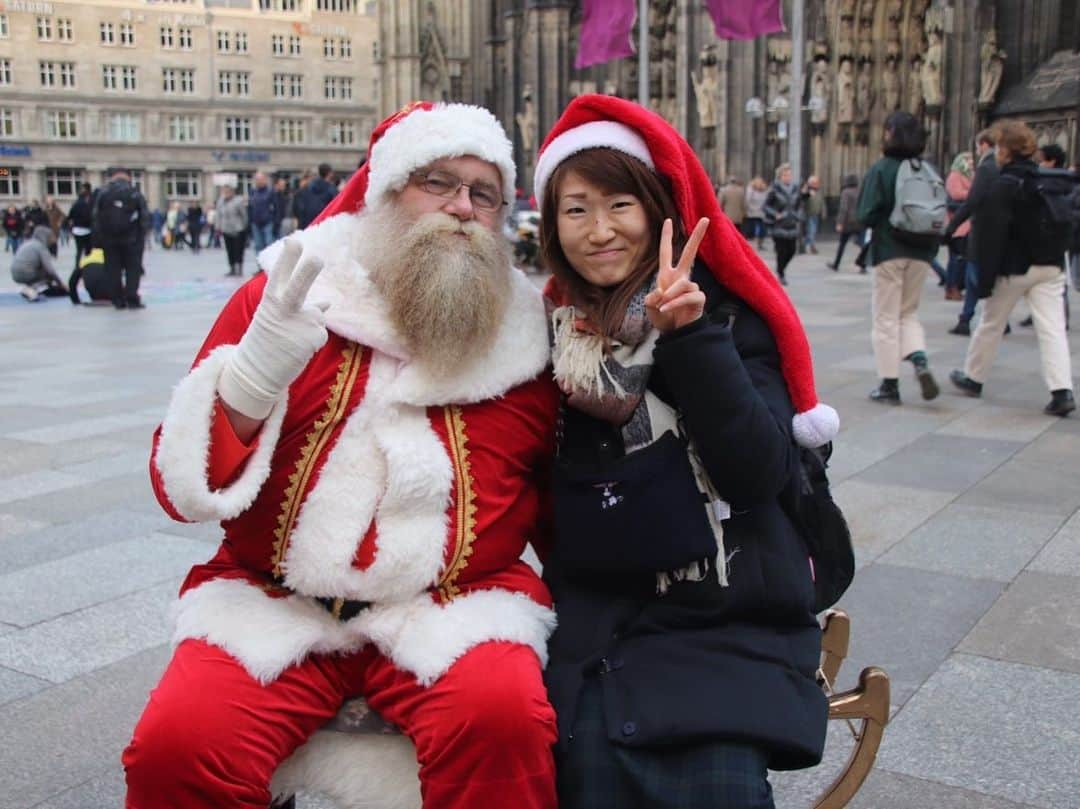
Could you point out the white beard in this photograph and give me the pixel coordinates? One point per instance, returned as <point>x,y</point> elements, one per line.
<point>446,282</point>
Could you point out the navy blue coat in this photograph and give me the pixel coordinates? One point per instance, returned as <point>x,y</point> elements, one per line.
<point>704,662</point>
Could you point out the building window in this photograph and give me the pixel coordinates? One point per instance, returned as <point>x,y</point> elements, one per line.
<point>348,6</point>
<point>337,88</point>
<point>5,71</point>
<point>128,79</point>
<point>294,45</point>
<point>10,182</point>
<point>44,29</point>
<point>345,48</point>
<point>61,125</point>
<point>232,82</point>
<point>178,80</point>
<point>329,48</point>
<point>291,131</point>
<point>108,77</point>
<point>182,184</point>
<point>279,5</point>
<point>55,74</point>
<point>241,42</point>
<point>182,128</point>
<point>124,126</point>
<point>3,26</point>
<point>65,32</point>
<point>245,181</point>
<point>7,124</point>
<point>288,85</point>
<point>127,34</point>
<point>224,41</point>
<point>63,182</point>
<point>277,44</point>
<point>167,40</point>
<point>108,33</point>
<point>184,37</point>
<point>238,130</point>
<point>119,77</point>
<point>341,133</point>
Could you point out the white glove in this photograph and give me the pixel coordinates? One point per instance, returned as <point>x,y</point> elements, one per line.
<point>283,336</point>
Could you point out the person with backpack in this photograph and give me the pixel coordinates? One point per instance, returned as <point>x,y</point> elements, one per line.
<point>686,643</point>
<point>121,222</point>
<point>783,214</point>
<point>262,212</point>
<point>1027,228</point>
<point>986,172</point>
<point>903,202</point>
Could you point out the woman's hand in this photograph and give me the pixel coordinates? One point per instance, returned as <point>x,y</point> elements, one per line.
<point>676,300</point>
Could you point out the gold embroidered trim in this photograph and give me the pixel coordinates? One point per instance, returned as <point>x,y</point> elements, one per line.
<point>315,443</point>
<point>465,500</point>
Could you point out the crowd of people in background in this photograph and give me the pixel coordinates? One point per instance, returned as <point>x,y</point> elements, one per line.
<point>112,228</point>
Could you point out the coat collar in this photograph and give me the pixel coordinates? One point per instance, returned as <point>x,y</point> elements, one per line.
<point>358,312</point>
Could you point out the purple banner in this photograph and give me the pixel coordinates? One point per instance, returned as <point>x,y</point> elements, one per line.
<point>746,19</point>
<point>606,26</point>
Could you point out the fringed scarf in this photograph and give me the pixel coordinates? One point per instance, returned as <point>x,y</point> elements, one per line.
<point>612,384</point>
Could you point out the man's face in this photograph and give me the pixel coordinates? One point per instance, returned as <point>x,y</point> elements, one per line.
<point>414,201</point>
<point>260,180</point>
<point>982,148</point>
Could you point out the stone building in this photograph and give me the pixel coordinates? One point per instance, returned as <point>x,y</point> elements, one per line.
<point>952,62</point>
<point>185,93</point>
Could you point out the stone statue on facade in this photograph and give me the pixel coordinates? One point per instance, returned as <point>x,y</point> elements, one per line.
<point>864,92</point>
<point>894,10</point>
<point>914,101</point>
<point>992,63</point>
<point>526,121</point>
<point>845,93</point>
<point>847,9</point>
<point>933,89</point>
<point>707,90</point>
<point>890,85</point>
<point>820,88</point>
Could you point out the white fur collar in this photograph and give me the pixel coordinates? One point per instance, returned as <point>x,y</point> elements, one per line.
<point>357,311</point>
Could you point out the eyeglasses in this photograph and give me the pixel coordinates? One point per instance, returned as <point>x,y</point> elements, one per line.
<point>484,197</point>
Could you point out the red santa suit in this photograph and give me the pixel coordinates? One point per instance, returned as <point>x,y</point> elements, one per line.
<point>373,531</point>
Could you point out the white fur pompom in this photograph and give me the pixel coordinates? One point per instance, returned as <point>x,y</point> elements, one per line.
<point>816,426</point>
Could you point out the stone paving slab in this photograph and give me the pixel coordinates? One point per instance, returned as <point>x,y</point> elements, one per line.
<point>1061,555</point>
<point>1027,486</point>
<point>94,576</point>
<point>908,622</point>
<point>1036,621</point>
<point>983,543</point>
<point>15,526</point>
<point>880,515</point>
<point>920,464</point>
<point>67,734</point>
<point>77,644</point>
<point>16,685</point>
<point>132,491</point>
<point>78,428</point>
<point>1000,729</point>
<point>887,790</point>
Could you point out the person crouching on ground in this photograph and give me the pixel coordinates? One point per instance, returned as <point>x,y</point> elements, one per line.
<point>683,663</point>
<point>1025,259</point>
<point>899,267</point>
<point>371,421</point>
<point>33,269</point>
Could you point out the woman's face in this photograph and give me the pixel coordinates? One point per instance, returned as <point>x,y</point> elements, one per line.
<point>785,176</point>
<point>604,236</point>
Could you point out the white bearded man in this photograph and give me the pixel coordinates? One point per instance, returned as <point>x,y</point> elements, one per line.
<point>371,422</point>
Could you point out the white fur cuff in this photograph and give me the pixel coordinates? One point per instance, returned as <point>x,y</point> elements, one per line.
<point>816,426</point>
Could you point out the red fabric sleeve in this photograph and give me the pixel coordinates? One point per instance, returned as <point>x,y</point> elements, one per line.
<point>227,453</point>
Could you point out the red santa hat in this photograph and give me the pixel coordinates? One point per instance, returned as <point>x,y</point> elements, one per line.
<point>415,136</point>
<point>600,121</point>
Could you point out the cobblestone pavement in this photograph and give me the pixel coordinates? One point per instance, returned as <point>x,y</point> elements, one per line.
<point>965,514</point>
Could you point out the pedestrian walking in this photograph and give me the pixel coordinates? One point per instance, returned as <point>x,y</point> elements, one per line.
<point>732,199</point>
<point>783,214</point>
<point>813,209</point>
<point>81,217</point>
<point>756,193</point>
<point>262,212</point>
<point>232,220</point>
<point>121,222</point>
<point>13,228</point>
<point>1022,255</point>
<point>958,186</point>
<point>282,206</point>
<point>194,219</point>
<point>847,225</point>
<point>314,196</point>
<point>900,262</point>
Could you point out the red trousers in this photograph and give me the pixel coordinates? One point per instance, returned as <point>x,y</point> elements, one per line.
<point>211,736</point>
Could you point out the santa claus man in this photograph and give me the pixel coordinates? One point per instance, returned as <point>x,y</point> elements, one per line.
<point>369,421</point>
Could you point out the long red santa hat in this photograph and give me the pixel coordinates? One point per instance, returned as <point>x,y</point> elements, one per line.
<point>597,121</point>
<point>415,136</point>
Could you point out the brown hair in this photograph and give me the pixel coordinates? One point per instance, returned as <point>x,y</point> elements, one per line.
<point>614,173</point>
<point>1015,136</point>
<point>987,136</point>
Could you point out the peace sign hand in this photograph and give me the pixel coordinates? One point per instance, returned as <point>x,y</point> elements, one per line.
<point>284,334</point>
<point>676,300</point>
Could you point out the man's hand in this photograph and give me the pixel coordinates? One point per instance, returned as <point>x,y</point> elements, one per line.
<point>676,300</point>
<point>284,334</point>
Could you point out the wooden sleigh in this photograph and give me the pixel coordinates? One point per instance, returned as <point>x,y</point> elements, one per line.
<point>360,762</point>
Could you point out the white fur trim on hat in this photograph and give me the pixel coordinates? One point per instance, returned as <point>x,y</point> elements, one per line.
<point>595,134</point>
<point>816,426</point>
<point>424,136</point>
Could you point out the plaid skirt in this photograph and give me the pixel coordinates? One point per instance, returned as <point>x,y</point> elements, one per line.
<point>593,773</point>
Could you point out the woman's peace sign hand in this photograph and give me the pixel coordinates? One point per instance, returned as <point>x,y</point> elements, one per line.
<point>676,300</point>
